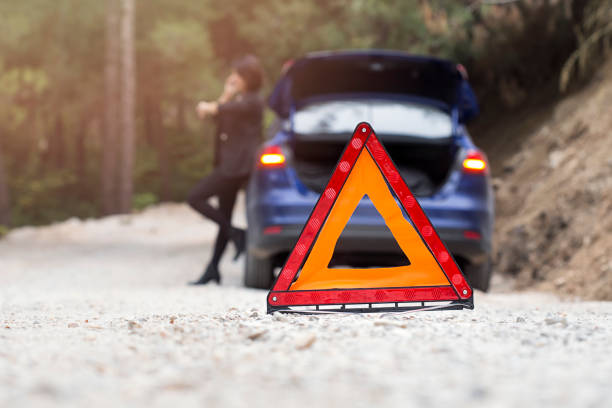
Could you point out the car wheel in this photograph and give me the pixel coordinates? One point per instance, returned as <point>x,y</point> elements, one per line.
<point>479,276</point>
<point>258,272</point>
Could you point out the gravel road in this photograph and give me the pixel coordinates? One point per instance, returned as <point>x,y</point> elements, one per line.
<point>96,313</point>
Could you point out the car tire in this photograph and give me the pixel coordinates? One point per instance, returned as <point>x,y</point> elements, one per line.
<point>258,272</point>
<point>479,276</point>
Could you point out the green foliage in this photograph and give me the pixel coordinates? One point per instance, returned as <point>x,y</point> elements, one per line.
<point>47,197</point>
<point>181,46</point>
<point>144,200</point>
<point>18,88</point>
<point>298,27</point>
<point>52,76</point>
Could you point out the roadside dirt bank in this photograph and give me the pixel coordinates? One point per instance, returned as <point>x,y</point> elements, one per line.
<point>554,197</point>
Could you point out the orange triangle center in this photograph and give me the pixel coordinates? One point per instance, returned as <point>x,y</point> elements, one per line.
<point>367,179</point>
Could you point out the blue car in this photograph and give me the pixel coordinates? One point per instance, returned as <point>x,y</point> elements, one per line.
<point>418,107</point>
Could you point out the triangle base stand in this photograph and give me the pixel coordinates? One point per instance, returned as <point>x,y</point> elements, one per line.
<point>399,307</point>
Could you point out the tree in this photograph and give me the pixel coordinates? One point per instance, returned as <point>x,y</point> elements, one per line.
<point>4,193</point>
<point>127,106</point>
<point>110,150</point>
<point>119,104</point>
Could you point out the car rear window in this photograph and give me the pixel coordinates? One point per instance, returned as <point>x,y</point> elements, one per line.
<point>388,117</point>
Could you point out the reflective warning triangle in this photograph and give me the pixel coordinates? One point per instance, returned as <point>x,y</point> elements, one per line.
<point>306,283</point>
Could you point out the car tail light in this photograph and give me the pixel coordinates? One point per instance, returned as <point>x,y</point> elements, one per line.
<point>471,234</point>
<point>272,156</point>
<point>273,229</point>
<point>475,162</point>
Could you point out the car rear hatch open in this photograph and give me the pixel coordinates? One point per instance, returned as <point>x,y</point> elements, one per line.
<point>412,103</point>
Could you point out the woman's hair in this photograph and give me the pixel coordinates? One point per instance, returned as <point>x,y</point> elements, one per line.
<point>249,68</point>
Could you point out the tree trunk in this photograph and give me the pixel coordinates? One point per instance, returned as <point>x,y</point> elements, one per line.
<point>160,138</point>
<point>164,165</point>
<point>149,130</point>
<point>181,117</point>
<point>110,145</point>
<point>57,145</point>
<point>5,216</point>
<point>81,157</point>
<point>127,106</point>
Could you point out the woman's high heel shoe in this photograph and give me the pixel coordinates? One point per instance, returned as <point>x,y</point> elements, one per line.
<point>238,238</point>
<point>210,274</point>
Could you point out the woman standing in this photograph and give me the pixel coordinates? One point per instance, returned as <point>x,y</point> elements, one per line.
<point>238,113</point>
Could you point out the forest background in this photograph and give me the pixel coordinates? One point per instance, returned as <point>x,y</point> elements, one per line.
<point>97,97</point>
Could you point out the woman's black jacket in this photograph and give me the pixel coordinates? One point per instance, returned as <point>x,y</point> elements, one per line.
<point>239,129</point>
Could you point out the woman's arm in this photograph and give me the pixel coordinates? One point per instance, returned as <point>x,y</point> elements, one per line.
<point>230,90</point>
<point>247,104</point>
<point>204,109</point>
<point>244,105</point>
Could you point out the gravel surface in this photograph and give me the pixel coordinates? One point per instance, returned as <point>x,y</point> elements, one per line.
<point>96,313</point>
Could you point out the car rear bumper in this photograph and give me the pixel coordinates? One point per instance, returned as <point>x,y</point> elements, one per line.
<point>359,241</point>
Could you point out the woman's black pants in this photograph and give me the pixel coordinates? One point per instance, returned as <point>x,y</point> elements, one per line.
<point>225,189</point>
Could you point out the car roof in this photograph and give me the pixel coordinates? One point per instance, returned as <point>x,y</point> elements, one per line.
<point>375,52</point>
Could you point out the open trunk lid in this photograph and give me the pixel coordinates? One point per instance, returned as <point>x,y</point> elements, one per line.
<point>414,104</point>
<point>369,72</point>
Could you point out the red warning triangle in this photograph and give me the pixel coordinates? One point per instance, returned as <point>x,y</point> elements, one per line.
<point>306,282</point>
